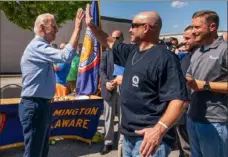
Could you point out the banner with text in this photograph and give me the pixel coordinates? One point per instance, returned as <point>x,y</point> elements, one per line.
<point>76,119</point>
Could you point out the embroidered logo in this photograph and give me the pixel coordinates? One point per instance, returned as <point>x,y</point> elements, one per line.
<point>135,81</point>
<point>212,57</point>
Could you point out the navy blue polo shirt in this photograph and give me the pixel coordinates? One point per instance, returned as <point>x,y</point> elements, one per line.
<point>185,62</point>
<point>151,80</point>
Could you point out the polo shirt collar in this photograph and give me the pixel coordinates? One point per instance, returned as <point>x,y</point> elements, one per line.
<point>214,45</point>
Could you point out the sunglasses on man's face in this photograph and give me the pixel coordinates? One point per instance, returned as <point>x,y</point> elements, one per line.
<point>117,38</point>
<point>136,25</point>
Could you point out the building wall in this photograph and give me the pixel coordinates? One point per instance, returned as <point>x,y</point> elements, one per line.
<point>13,41</point>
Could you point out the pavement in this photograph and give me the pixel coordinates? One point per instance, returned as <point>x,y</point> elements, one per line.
<point>72,148</point>
<point>65,148</point>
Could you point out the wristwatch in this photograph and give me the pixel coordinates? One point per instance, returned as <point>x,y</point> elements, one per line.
<point>207,86</point>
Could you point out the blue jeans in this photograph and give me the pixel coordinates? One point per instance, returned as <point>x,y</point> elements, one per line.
<point>208,140</point>
<point>35,117</point>
<point>131,147</point>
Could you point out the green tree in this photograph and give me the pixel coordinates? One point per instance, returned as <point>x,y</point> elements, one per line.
<point>24,13</point>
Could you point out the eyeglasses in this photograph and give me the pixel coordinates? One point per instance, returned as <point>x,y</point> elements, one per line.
<point>136,25</point>
<point>55,27</point>
<point>117,38</point>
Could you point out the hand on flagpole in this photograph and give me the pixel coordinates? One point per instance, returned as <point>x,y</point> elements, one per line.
<point>79,17</point>
<point>88,19</point>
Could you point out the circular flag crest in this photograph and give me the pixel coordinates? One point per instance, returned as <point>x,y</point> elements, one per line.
<point>90,53</point>
<point>87,49</point>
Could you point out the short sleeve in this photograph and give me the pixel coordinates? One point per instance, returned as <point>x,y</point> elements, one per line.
<point>121,52</point>
<point>224,63</point>
<point>172,83</point>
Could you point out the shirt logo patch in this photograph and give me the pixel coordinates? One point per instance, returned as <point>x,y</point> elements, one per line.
<point>135,81</point>
<point>212,57</point>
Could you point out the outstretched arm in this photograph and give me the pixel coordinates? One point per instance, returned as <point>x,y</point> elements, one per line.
<point>77,28</point>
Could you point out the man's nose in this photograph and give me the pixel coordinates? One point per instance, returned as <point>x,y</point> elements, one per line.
<point>130,30</point>
<point>194,30</point>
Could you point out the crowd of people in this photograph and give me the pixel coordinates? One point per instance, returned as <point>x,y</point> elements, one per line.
<point>161,90</point>
<point>66,73</point>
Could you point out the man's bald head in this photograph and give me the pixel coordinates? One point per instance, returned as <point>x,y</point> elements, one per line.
<point>146,27</point>
<point>151,18</point>
<point>117,33</point>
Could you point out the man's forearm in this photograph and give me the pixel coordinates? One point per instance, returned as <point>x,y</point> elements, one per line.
<point>75,37</point>
<point>220,87</point>
<point>101,36</point>
<point>173,112</point>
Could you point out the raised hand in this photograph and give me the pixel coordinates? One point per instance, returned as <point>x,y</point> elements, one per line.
<point>88,19</point>
<point>79,17</point>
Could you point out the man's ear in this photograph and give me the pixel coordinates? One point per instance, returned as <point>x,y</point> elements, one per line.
<point>147,28</point>
<point>42,27</point>
<point>213,27</point>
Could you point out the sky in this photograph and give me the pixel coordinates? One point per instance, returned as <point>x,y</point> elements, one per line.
<point>176,15</point>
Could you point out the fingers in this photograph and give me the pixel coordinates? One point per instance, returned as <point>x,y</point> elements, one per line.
<point>150,151</point>
<point>80,14</point>
<point>145,150</point>
<point>109,86</point>
<point>87,6</point>
<point>140,132</point>
<point>190,83</point>
<point>153,150</point>
<point>88,18</point>
<point>143,145</point>
<point>188,78</point>
<point>88,10</point>
<point>114,83</point>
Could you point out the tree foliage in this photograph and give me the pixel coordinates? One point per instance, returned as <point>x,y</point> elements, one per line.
<point>24,13</point>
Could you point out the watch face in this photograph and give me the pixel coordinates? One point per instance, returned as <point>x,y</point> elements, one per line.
<point>206,87</point>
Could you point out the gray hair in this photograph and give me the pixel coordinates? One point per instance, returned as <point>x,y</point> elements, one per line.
<point>41,20</point>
